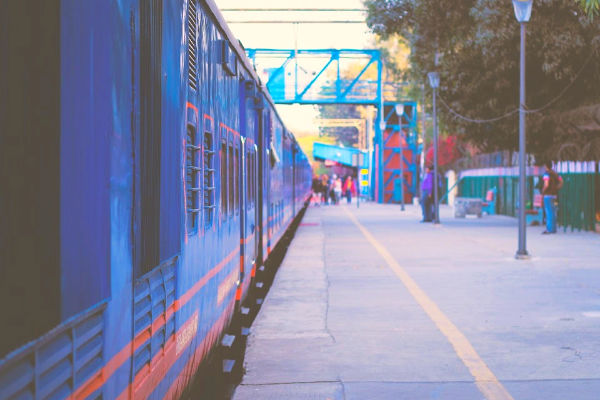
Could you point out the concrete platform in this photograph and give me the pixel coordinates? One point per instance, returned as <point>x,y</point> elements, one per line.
<point>371,304</point>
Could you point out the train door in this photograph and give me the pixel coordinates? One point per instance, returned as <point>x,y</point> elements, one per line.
<point>249,240</point>
<point>256,203</point>
<point>247,183</point>
<point>262,193</point>
<point>294,189</point>
<point>259,182</point>
<point>244,223</point>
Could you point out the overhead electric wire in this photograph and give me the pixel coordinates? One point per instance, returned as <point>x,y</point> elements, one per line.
<point>297,22</point>
<point>516,110</point>
<point>473,120</point>
<point>296,9</point>
<point>564,90</point>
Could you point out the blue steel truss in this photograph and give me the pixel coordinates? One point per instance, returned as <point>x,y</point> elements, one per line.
<point>400,144</point>
<point>319,76</point>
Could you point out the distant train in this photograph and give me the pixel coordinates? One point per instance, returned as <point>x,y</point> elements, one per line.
<point>145,177</point>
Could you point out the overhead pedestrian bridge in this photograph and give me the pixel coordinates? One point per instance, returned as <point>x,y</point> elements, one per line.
<point>342,155</point>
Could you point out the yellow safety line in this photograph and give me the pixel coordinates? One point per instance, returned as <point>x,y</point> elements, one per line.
<point>485,380</point>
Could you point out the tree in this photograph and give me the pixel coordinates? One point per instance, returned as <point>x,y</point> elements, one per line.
<point>592,7</point>
<point>474,44</point>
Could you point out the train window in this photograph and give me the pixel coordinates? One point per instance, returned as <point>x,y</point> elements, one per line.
<point>209,180</point>
<point>223,183</point>
<point>236,200</point>
<point>231,179</point>
<point>192,181</point>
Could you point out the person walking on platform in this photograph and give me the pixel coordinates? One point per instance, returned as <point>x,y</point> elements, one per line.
<point>331,189</point>
<point>348,189</point>
<point>552,183</point>
<point>427,195</point>
<point>325,188</point>
<point>337,189</point>
<point>316,188</point>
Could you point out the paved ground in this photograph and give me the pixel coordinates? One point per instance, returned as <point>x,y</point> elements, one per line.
<point>372,304</point>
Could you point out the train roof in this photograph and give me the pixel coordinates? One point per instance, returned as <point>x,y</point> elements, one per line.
<point>241,53</point>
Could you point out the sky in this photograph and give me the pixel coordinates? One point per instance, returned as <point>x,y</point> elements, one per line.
<point>307,36</point>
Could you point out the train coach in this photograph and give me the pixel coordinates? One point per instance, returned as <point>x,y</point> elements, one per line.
<point>145,176</point>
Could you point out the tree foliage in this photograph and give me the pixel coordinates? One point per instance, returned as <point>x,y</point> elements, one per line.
<point>592,7</point>
<point>474,44</point>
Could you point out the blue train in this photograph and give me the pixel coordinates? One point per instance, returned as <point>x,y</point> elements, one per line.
<point>145,177</point>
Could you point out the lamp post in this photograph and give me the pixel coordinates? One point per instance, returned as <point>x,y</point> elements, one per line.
<point>379,157</point>
<point>522,13</point>
<point>399,108</point>
<point>434,82</point>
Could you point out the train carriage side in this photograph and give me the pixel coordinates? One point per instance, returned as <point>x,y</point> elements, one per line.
<point>302,179</point>
<point>251,109</point>
<point>288,183</point>
<point>286,175</point>
<point>215,278</point>
<point>66,236</point>
<point>276,181</point>
<point>166,178</point>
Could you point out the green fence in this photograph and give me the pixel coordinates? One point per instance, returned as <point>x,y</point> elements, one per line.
<point>507,197</point>
<point>578,202</point>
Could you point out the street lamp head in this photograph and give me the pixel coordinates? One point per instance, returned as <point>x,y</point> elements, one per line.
<point>399,109</point>
<point>522,10</point>
<point>434,79</point>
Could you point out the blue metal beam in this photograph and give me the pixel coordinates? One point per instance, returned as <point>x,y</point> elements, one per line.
<point>279,70</point>
<point>358,77</point>
<point>342,91</point>
<point>316,77</point>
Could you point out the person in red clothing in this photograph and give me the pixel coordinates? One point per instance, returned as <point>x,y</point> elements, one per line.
<point>349,188</point>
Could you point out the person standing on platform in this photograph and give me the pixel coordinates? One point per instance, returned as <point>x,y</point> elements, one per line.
<point>552,183</point>
<point>427,195</point>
